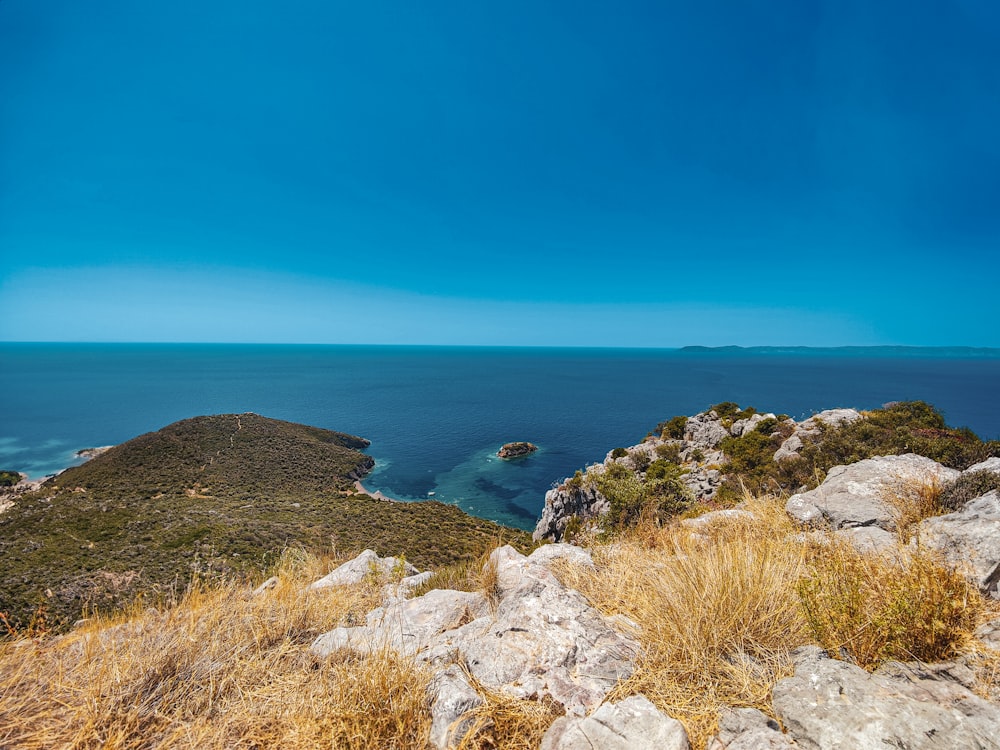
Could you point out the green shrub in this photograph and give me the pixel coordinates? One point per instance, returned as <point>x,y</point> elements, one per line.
<point>726,409</point>
<point>669,452</point>
<point>619,453</point>
<point>766,426</point>
<point>672,428</point>
<point>9,478</point>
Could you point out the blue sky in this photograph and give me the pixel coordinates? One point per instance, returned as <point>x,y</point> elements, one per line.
<point>523,173</point>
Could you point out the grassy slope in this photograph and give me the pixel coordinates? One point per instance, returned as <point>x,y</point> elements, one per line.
<point>215,496</point>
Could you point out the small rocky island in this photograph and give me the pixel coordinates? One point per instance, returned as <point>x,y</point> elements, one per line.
<point>516,450</point>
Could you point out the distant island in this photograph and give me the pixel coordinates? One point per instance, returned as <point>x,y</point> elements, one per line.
<point>895,351</point>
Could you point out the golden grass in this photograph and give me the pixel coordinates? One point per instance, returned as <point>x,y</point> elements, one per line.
<point>220,670</point>
<point>720,606</point>
<point>911,500</point>
<point>503,722</point>
<point>906,604</point>
<point>716,609</point>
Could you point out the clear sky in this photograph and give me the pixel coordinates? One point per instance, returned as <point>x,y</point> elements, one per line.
<point>816,172</point>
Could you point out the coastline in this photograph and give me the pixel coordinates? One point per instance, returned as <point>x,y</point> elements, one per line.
<point>377,495</point>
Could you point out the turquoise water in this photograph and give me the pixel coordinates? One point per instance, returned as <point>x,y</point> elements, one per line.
<point>436,416</point>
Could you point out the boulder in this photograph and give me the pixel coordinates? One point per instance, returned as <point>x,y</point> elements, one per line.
<point>406,626</point>
<point>970,540</point>
<point>829,705</point>
<point>705,430</point>
<point>990,464</point>
<point>749,729</point>
<point>544,639</point>
<point>452,698</point>
<point>745,426</point>
<point>535,638</point>
<point>631,724</point>
<point>853,495</point>
<point>366,565</point>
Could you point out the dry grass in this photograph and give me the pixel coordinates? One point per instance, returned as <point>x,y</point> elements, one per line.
<point>220,670</point>
<point>716,609</point>
<point>906,604</point>
<point>720,606</point>
<point>911,501</point>
<point>503,722</point>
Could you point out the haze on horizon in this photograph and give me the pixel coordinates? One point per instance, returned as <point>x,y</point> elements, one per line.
<point>518,173</point>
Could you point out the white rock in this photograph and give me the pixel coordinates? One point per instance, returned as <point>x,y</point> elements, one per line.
<point>363,566</point>
<point>633,724</point>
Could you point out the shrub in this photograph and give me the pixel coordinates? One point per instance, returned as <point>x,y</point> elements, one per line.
<point>877,608</point>
<point>619,453</point>
<point>726,409</point>
<point>669,452</point>
<point>672,428</point>
<point>766,426</point>
<point>640,459</point>
<point>9,478</point>
<point>968,487</point>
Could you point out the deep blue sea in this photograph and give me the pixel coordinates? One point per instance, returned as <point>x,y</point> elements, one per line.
<point>436,416</point>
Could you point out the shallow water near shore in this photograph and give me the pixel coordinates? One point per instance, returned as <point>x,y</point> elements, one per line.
<point>436,416</point>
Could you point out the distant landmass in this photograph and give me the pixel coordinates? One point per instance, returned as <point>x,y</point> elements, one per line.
<point>210,496</point>
<point>874,351</point>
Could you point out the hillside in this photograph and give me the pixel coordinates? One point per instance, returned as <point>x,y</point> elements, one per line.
<point>208,497</point>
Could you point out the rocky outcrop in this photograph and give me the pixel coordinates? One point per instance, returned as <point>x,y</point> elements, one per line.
<point>969,539</point>
<point>532,638</point>
<point>855,495</point>
<point>832,704</point>
<point>809,429</point>
<point>568,501</point>
<point>698,453</point>
<point>632,723</point>
<point>516,450</point>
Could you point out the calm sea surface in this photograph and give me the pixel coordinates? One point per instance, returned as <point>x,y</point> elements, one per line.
<point>436,416</point>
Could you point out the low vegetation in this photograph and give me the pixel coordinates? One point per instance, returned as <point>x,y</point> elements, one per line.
<point>209,498</point>
<point>9,478</point>
<point>903,427</point>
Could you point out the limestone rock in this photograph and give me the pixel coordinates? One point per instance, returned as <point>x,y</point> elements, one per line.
<point>868,538</point>
<point>853,495</point>
<point>705,429</point>
<point>366,564</point>
<point>745,426</point>
<point>452,698</point>
<point>406,626</point>
<point>749,729</point>
<point>990,464</point>
<point>833,705</point>
<point>537,638</point>
<point>632,724</point>
<point>565,502</point>
<point>543,640</point>
<point>970,539</point>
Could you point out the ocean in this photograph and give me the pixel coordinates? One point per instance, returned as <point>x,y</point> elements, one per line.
<point>437,415</point>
